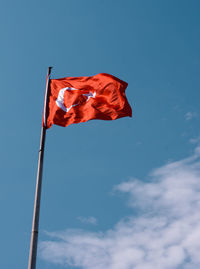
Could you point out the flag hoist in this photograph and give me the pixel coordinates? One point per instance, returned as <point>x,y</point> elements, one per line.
<point>73,100</point>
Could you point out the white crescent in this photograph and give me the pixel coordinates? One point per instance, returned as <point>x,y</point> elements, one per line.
<point>60,99</point>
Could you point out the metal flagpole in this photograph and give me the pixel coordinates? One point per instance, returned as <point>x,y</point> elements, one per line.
<point>36,212</point>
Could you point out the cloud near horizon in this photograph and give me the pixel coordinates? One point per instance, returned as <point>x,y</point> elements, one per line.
<point>164,234</point>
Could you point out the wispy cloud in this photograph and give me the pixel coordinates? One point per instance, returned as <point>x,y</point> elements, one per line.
<point>163,235</point>
<point>88,220</point>
<point>195,140</point>
<point>190,115</point>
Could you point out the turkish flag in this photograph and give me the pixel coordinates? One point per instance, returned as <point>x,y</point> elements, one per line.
<point>79,99</point>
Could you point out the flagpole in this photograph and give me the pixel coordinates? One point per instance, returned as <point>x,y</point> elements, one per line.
<point>36,212</point>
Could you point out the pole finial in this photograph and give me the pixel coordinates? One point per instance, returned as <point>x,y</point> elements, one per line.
<point>49,70</point>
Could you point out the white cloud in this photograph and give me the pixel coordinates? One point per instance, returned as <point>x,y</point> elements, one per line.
<point>163,231</point>
<point>89,220</point>
<point>195,140</point>
<point>190,115</point>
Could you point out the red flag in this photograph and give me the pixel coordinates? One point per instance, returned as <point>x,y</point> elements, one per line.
<point>79,99</point>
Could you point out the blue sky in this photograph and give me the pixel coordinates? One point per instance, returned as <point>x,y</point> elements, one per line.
<point>107,186</point>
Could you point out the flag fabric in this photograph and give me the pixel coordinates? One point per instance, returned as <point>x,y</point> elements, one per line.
<point>79,99</point>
